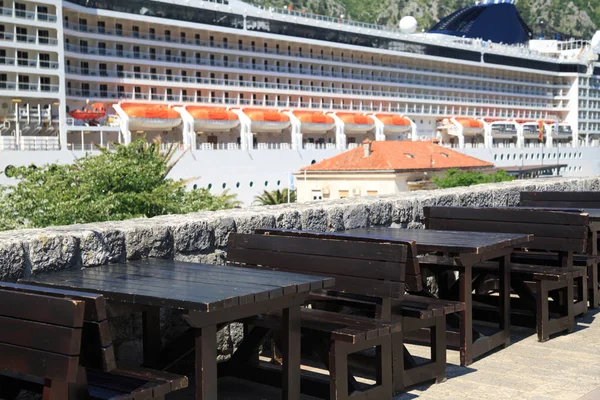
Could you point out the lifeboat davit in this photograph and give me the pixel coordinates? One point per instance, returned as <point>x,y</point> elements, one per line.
<point>267,120</point>
<point>212,119</point>
<point>394,123</point>
<point>314,122</point>
<point>151,117</point>
<point>356,123</point>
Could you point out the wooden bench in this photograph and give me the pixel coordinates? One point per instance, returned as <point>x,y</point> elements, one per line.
<point>555,232</point>
<point>97,375</point>
<point>423,316</point>
<point>357,258</point>
<point>577,202</point>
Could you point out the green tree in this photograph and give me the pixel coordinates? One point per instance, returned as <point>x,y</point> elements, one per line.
<point>455,177</point>
<point>129,182</point>
<point>275,197</point>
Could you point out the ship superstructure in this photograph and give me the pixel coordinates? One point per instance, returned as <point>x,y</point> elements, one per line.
<point>254,94</point>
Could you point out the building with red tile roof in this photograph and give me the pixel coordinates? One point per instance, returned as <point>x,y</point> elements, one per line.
<point>380,168</point>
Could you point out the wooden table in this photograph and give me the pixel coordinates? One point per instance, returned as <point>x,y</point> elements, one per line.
<point>458,251</point>
<point>210,295</point>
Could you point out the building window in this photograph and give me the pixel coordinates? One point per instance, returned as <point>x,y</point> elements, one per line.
<point>317,195</point>
<point>344,193</point>
<point>371,192</point>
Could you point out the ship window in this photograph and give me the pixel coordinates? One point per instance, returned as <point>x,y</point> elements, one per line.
<point>251,183</point>
<point>209,186</point>
<point>237,185</point>
<point>224,185</point>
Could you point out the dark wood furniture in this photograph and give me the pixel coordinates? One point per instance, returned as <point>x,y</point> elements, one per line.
<point>210,295</point>
<point>557,232</point>
<point>442,251</point>
<point>588,202</point>
<point>40,336</point>
<point>416,312</point>
<point>359,268</point>
<point>98,376</point>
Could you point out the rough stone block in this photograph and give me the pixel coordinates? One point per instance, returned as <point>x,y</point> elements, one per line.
<point>335,218</point>
<point>101,246</point>
<point>289,219</point>
<point>380,212</point>
<point>12,260</point>
<point>52,252</point>
<point>356,216</point>
<point>315,219</point>
<point>193,236</point>
<point>145,240</point>
<point>247,222</point>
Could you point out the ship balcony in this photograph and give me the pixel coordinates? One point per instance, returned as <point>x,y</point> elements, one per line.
<point>8,37</point>
<point>517,91</point>
<point>30,143</point>
<point>284,89</point>
<point>28,88</point>
<point>27,15</point>
<point>28,63</point>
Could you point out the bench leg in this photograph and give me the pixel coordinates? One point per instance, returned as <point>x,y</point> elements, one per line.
<point>290,343</point>
<point>338,371</point>
<point>466,325</point>
<point>594,298</point>
<point>581,305</point>
<point>206,363</point>
<point>55,390</point>
<point>398,362</point>
<point>384,365</point>
<point>438,348</point>
<point>542,312</point>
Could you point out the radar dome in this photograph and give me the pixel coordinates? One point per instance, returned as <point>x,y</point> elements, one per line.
<point>408,24</point>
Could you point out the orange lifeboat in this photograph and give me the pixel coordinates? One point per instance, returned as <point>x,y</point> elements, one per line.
<point>95,112</point>
<point>314,122</point>
<point>212,119</point>
<point>267,120</point>
<point>356,123</point>
<point>394,123</point>
<point>470,123</point>
<point>151,117</point>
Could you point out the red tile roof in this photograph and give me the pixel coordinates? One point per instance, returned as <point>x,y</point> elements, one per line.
<point>398,155</point>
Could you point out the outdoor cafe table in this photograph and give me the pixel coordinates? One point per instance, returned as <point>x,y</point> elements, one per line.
<point>210,295</point>
<point>460,251</point>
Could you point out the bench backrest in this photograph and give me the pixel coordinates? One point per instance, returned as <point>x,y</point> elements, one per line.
<point>97,351</point>
<point>412,277</point>
<point>369,269</point>
<point>555,231</point>
<point>560,199</point>
<point>40,336</point>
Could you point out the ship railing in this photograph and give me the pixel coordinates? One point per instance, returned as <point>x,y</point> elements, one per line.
<point>217,146</point>
<point>8,143</point>
<point>30,143</point>
<point>189,79</point>
<point>30,15</point>
<point>272,146</point>
<point>319,146</point>
<point>316,72</point>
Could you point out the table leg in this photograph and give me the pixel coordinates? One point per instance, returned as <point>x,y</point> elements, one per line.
<point>290,343</point>
<point>206,363</point>
<point>504,301</point>
<point>151,341</point>
<point>466,325</point>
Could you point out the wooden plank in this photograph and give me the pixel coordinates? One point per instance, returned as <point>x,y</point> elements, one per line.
<point>561,204</point>
<point>40,336</point>
<point>38,363</point>
<point>95,306</point>
<point>485,225</point>
<point>506,215</point>
<point>176,382</point>
<point>316,245</point>
<point>101,393</point>
<point>562,196</point>
<point>453,242</point>
<point>360,285</point>
<point>326,265</point>
<point>38,308</point>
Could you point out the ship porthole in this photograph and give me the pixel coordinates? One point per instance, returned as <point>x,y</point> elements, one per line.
<point>224,185</point>
<point>209,186</point>
<point>9,171</point>
<point>251,184</point>
<point>237,185</point>
<point>195,186</point>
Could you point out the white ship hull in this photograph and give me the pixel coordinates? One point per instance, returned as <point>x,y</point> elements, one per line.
<point>259,170</point>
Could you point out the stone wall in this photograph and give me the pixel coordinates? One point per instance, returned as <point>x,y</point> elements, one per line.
<point>202,237</point>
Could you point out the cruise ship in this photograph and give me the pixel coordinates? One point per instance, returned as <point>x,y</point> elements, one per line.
<point>252,94</point>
